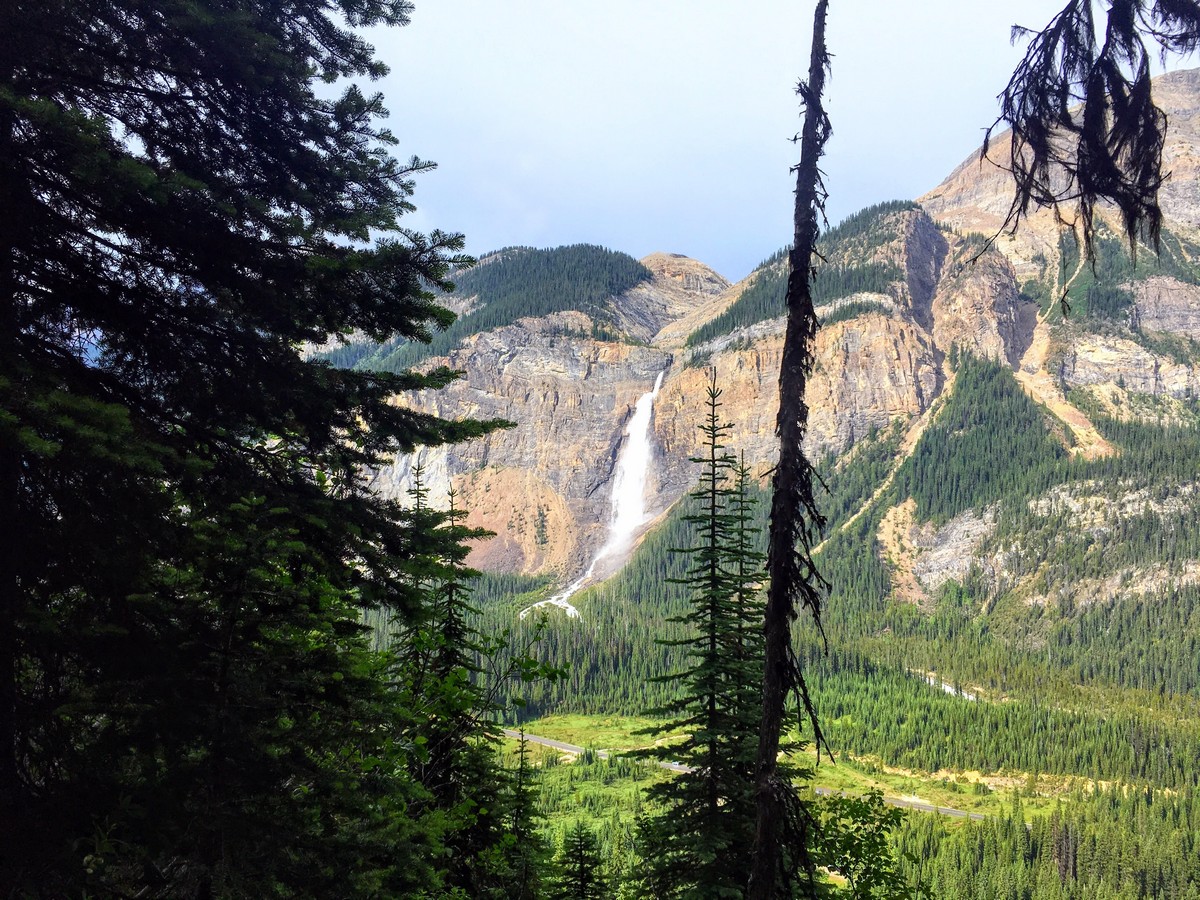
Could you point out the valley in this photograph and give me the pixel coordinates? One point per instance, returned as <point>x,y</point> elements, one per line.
<point>344,559</point>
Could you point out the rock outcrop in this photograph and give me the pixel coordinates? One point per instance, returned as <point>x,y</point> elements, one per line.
<point>979,309</point>
<point>1167,305</point>
<point>679,287</point>
<point>570,396</point>
<point>947,553</point>
<point>882,355</point>
<point>1094,359</point>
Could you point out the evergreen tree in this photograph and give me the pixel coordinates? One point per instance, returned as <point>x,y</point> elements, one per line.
<point>446,672</point>
<point>698,845</point>
<point>439,665</point>
<point>187,706</point>
<point>746,584</point>
<point>529,855</point>
<point>580,875</point>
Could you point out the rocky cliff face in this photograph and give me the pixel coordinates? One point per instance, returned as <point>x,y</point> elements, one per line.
<point>540,485</point>
<point>1129,354</point>
<point>544,486</point>
<point>1092,360</point>
<point>978,307</point>
<point>883,363</point>
<point>1167,305</point>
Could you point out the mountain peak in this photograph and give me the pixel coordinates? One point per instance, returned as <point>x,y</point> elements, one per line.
<point>976,196</point>
<point>689,274</point>
<point>678,286</point>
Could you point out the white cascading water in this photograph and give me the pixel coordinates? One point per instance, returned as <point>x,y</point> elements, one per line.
<point>934,681</point>
<point>627,508</point>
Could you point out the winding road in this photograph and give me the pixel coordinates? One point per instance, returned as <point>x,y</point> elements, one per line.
<point>918,805</point>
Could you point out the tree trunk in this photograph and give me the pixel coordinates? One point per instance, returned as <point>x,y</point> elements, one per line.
<point>795,520</point>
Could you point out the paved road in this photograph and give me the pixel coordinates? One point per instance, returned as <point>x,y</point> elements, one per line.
<point>918,805</point>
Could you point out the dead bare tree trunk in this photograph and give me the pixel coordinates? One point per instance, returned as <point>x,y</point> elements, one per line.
<point>795,520</point>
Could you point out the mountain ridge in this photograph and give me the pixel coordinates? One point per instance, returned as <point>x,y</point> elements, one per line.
<point>570,379</point>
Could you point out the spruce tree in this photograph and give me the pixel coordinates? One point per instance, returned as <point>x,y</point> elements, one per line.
<point>439,668</point>
<point>698,845</point>
<point>580,875</point>
<point>529,854</point>
<point>451,677</point>
<point>747,651</point>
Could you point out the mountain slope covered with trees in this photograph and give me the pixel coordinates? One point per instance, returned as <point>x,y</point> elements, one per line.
<point>242,648</point>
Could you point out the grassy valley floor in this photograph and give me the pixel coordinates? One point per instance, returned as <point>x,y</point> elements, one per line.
<point>1028,836</point>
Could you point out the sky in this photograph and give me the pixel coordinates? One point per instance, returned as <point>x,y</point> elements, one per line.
<point>666,125</point>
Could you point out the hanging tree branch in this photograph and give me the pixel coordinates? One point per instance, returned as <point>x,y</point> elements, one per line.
<point>1084,125</point>
<point>795,519</point>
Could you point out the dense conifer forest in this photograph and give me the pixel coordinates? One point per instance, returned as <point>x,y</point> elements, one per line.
<point>1121,844</point>
<point>852,238</point>
<point>507,285</point>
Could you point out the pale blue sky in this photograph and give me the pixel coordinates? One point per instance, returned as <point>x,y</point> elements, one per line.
<point>650,125</point>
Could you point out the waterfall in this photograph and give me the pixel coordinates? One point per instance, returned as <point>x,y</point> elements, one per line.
<point>627,508</point>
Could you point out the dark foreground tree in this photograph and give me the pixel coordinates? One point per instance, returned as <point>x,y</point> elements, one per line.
<point>1084,125</point>
<point>580,875</point>
<point>793,582</point>
<point>445,676</point>
<point>530,853</point>
<point>186,705</point>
